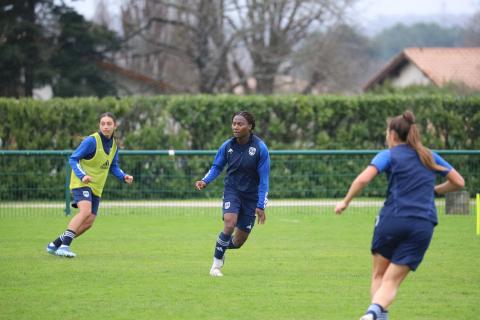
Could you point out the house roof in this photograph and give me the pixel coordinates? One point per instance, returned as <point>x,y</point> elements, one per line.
<point>440,65</point>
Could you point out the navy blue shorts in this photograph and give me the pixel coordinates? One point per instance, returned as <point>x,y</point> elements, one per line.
<point>244,205</point>
<point>402,240</point>
<point>85,194</point>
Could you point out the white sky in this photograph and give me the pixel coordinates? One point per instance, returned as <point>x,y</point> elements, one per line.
<point>369,8</point>
<point>375,8</point>
<point>370,15</point>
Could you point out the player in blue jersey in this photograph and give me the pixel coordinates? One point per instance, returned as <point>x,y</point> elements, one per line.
<point>246,185</point>
<point>404,227</point>
<point>95,157</point>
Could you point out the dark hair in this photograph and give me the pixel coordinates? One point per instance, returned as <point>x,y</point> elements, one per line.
<point>407,131</point>
<point>247,115</point>
<point>108,114</point>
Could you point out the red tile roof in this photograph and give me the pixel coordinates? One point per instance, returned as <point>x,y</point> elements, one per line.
<point>440,65</point>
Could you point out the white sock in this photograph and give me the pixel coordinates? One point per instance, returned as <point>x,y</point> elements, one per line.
<point>217,263</point>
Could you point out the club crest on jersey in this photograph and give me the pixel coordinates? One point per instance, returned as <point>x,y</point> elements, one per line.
<point>252,151</point>
<point>227,205</point>
<point>86,194</point>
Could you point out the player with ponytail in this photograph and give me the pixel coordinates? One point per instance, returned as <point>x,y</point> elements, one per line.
<point>404,226</point>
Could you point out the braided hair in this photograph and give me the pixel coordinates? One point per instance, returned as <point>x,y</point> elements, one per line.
<point>248,116</point>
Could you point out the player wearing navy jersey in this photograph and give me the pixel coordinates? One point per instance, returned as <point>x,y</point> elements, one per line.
<point>95,157</point>
<point>404,227</point>
<point>246,185</point>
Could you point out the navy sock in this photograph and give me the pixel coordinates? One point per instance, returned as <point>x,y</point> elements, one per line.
<point>222,244</point>
<point>376,310</point>
<point>58,242</point>
<point>68,237</point>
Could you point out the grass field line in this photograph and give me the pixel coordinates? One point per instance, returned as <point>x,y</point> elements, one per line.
<point>206,204</point>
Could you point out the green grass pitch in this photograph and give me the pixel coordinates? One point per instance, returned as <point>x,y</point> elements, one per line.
<point>153,264</point>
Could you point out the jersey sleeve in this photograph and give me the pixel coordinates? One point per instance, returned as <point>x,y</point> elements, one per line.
<point>218,163</point>
<point>442,162</point>
<point>382,161</point>
<point>86,147</point>
<point>264,174</point>
<point>115,168</point>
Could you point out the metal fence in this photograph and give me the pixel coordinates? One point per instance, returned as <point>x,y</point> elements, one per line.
<point>35,181</point>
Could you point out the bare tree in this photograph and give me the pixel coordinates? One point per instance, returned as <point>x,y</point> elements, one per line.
<point>102,15</point>
<point>338,60</point>
<point>214,46</point>
<point>185,39</point>
<point>271,31</point>
<point>139,54</point>
<point>472,30</point>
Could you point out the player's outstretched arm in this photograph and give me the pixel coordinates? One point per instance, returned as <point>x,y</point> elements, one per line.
<point>358,184</point>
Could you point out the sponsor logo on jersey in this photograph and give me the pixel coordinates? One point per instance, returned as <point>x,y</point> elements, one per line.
<point>252,151</point>
<point>106,165</point>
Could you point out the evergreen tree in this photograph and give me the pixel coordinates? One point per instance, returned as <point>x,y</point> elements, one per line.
<point>44,43</point>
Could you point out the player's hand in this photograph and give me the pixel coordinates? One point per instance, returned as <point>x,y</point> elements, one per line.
<point>342,205</point>
<point>261,215</point>
<point>128,179</point>
<point>86,179</point>
<point>200,185</point>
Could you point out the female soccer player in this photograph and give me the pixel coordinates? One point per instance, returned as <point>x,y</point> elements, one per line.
<point>95,157</point>
<point>404,227</point>
<point>246,185</point>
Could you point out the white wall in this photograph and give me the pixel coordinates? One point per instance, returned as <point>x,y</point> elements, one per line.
<point>410,75</point>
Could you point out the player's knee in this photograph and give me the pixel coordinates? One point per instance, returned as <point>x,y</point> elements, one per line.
<point>83,216</point>
<point>229,226</point>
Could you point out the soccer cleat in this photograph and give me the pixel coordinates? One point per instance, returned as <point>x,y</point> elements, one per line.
<point>368,316</point>
<point>51,248</point>
<point>215,272</point>
<point>64,251</point>
<point>216,266</point>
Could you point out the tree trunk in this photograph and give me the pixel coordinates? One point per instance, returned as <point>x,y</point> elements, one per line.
<point>30,39</point>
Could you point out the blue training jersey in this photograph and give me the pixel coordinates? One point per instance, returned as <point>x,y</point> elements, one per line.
<point>248,167</point>
<point>86,150</point>
<point>411,185</point>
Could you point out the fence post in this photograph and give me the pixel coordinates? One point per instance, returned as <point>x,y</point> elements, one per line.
<point>67,186</point>
<point>457,202</point>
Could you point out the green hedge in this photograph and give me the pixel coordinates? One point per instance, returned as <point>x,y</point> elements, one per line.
<point>203,122</point>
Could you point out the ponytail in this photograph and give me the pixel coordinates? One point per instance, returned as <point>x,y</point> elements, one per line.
<point>406,129</point>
